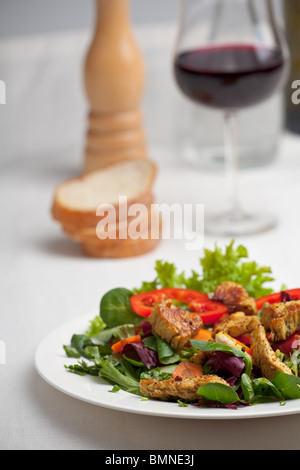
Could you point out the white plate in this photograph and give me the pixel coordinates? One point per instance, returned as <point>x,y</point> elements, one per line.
<point>50,360</point>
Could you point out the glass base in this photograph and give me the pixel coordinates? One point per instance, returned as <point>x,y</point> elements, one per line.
<point>239,224</point>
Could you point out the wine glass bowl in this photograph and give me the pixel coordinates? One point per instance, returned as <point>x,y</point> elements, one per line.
<point>230,76</point>
<point>231,55</point>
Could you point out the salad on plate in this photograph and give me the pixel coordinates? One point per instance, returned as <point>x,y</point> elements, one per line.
<point>218,338</point>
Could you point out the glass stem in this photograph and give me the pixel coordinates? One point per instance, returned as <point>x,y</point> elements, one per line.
<point>232,161</point>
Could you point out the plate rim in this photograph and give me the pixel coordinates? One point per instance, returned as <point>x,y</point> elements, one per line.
<point>160,409</point>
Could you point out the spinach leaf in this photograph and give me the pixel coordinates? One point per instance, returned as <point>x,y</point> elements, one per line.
<point>263,387</point>
<point>166,354</point>
<point>150,342</point>
<point>80,342</point>
<point>71,352</point>
<point>86,348</point>
<point>247,388</point>
<point>115,308</point>
<point>289,385</point>
<point>133,361</point>
<point>218,392</point>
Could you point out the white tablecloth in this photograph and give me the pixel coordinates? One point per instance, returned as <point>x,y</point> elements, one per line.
<point>45,280</point>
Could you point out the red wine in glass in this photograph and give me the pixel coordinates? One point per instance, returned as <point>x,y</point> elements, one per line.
<point>230,76</point>
<point>230,55</point>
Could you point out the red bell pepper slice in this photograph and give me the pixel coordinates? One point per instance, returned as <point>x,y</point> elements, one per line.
<point>183,295</point>
<point>209,311</point>
<point>289,345</point>
<point>143,303</point>
<point>277,297</point>
<point>244,339</point>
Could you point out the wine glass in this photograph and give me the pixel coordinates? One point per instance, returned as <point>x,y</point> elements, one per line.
<point>230,55</point>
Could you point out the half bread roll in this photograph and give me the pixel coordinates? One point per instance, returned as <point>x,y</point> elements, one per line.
<point>76,201</point>
<point>93,209</point>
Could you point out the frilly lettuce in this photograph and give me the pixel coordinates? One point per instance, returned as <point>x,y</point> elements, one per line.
<point>232,264</point>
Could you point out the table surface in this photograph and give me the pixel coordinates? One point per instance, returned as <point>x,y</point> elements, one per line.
<point>45,281</point>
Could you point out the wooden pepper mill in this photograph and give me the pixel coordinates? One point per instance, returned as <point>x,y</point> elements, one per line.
<point>114,84</point>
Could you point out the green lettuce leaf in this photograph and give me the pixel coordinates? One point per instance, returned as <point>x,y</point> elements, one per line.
<point>218,392</point>
<point>233,265</point>
<point>113,375</point>
<point>96,325</point>
<point>247,388</point>
<point>264,387</point>
<point>216,266</point>
<point>289,385</point>
<point>165,353</point>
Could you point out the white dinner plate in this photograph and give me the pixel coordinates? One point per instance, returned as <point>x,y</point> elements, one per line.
<point>50,361</point>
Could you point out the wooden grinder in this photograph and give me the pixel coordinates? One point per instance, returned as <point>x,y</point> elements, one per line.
<point>114,83</point>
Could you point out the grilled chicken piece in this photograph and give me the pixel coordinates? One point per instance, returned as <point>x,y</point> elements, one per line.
<point>282,319</point>
<point>237,324</point>
<point>174,325</point>
<point>264,358</point>
<point>200,358</point>
<point>225,338</point>
<point>185,389</point>
<point>235,297</point>
<point>267,314</point>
